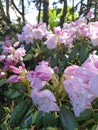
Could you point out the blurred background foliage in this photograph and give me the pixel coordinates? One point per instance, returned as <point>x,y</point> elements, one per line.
<point>60,11</point>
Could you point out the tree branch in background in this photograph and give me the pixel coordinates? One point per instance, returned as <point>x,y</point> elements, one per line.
<point>39,11</point>
<point>62,19</point>
<point>23,10</point>
<point>7,9</point>
<point>2,13</point>
<point>73,10</point>
<point>46,11</point>
<point>16,7</point>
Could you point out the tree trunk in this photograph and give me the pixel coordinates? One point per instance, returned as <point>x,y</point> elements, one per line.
<point>95,3</point>
<point>73,10</point>
<point>7,9</point>
<point>2,13</point>
<point>39,10</point>
<point>46,11</point>
<point>81,8</point>
<point>63,16</point>
<point>23,10</point>
<point>14,5</point>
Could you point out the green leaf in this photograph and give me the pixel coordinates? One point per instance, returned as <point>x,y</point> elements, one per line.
<point>27,122</point>
<point>83,53</point>
<point>27,118</point>
<point>67,119</point>
<point>95,127</point>
<point>51,128</point>
<point>28,57</point>
<point>1,112</point>
<point>19,112</point>
<point>18,87</point>
<point>2,82</point>
<point>49,120</point>
<point>74,53</point>
<point>27,47</point>
<point>4,114</point>
<point>16,128</point>
<point>85,115</point>
<point>12,93</point>
<point>96,116</point>
<point>54,60</point>
<point>39,119</point>
<point>35,115</point>
<point>62,63</point>
<point>4,126</point>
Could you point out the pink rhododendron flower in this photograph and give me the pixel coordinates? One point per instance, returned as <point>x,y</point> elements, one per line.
<point>69,71</point>
<point>41,74</point>
<point>32,32</point>
<point>45,100</point>
<point>9,61</point>
<point>36,83</point>
<point>81,83</point>
<point>79,94</point>
<point>66,37</point>
<point>2,73</point>
<point>43,71</point>
<point>16,44</point>
<point>7,49</point>
<point>92,63</point>
<point>57,30</point>
<point>30,75</point>
<point>93,84</point>
<point>51,42</point>
<point>2,57</point>
<point>19,53</point>
<point>15,79</point>
<point>93,26</point>
<point>27,28</point>
<point>16,70</point>
<point>89,14</point>
<point>84,74</point>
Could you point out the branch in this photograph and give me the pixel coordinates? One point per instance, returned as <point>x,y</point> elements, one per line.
<point>16,7</point>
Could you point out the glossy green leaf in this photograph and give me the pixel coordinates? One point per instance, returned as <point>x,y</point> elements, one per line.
<point>29,119</point>
<point>28,57</point>
<point>16,128</point>
<point>74,53</point>
<point>96,116</point>
<point>83,53</point>
<point>49,120</point>
<point>4,126</point>
<point>19,112</point>
<point>1,112</point>
<point>54,60</point>
<point>67,119</point>
<point>35,115</point>
<point>27,122</point>
<point>95,127</point>
<point>2,82</point>
<point>39,119</point>
<point>62,62</point>
<point>51,128</point>
<point>12,93</point>
<point>85,115</point>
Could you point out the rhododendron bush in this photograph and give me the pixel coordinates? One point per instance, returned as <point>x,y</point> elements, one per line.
<point>49,79</point>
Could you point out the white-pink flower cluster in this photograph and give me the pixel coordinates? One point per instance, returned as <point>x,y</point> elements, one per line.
<point>38,79</point>
<point>11,55</point>
<point>32,32</point>
<point>81,83</point>
<point>65,36</point>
